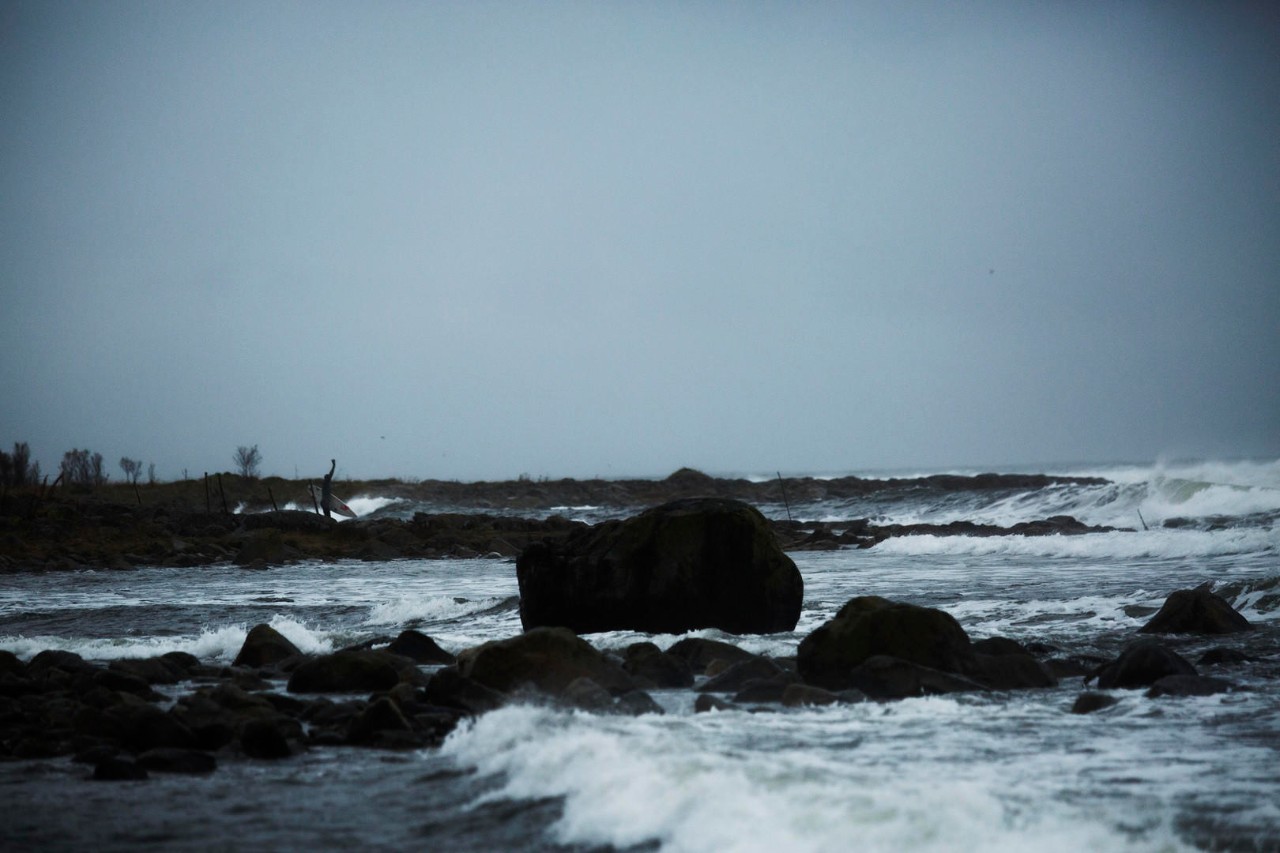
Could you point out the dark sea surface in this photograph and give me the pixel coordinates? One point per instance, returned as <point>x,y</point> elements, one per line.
<point>986,771</point>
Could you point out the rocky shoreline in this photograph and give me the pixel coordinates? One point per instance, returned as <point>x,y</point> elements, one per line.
<point>174,713</point>
<point>165,526</point>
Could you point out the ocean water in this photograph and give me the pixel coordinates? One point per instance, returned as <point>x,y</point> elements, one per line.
<point>991,771</point>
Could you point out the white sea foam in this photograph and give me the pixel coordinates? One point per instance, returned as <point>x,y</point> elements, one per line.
<point>1123,545</point>
<point>697,783</point>
<point>365,504</point>
<point>427,608</point>
<point>221,643</point>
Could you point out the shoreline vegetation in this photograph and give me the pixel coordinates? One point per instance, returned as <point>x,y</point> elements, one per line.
<point>229,518</point>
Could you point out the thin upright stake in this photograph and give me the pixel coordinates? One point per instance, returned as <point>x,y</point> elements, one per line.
<point>785,502</point>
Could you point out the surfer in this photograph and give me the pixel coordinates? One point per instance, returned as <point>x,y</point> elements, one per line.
<point>326,491</point>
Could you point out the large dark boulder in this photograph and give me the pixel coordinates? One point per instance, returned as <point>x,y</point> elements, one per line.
<point>545,659</point>
<point>1196,611</point>
<point>1142,665</point>
<point>869,626</point>
<point>685,565</point>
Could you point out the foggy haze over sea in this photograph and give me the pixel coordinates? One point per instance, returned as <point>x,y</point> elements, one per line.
<point>476,241</point>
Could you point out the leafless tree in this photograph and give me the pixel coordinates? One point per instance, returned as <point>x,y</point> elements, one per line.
<point>132,469</point>
<point>247,460</point>
<point>82,468</point>
<point>16,469</point>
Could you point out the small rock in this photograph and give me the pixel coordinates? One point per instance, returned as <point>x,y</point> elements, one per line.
<point>173,760</point>
<point>706,702</point>
<point>262,738</point>
<point>420,648</point>
<point>1087,703</point>
<point>118,769</point>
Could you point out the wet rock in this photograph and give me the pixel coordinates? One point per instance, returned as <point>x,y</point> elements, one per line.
<point>345,672</point>
<point>685,565</point>
<point>419,648</point>
<point>1087,703</point>
<point>1196,611</point>
<point>141,726</point>
<point>706,702</point>
<point>1010,672</point>
<point>636,702</point>
<point>764,690</point>
<point>156,670</point>
<point>1076,666</point>
<point>265,646</point>
<point>450,689</point>
<point>798,695</point>
<point>739,674</point>
<point>56,659</point>
<point>1142,665</point>
<point>698,653</point>
<point>174,760</point>
<point>265,546</point>
<point>383,715</point>
<point>998,646</point>
<point>124,682</point>
<point>118,769</point>
<point>871,626</point>
<point>1223,656</point>
<point>586,695</point>
<point>378,551</point>
<point>264,738</point>
<point>885,677</point>
<point>183,660</point>
<point>546,659</point>
<point>652,666</point>
<point>11,663</point>
<point>1188,685</point>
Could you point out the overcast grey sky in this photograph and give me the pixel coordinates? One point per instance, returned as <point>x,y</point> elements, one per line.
<point>479,240</point>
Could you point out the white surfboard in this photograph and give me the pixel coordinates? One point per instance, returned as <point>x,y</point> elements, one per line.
<point>336,504</point>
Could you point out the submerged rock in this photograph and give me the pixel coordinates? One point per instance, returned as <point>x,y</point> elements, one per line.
<point>1089,702</point>
<point>685,565</point>
<point>1188,685</point>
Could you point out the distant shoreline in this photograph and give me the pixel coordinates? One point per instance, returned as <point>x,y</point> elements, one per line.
<point>228,519</point>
